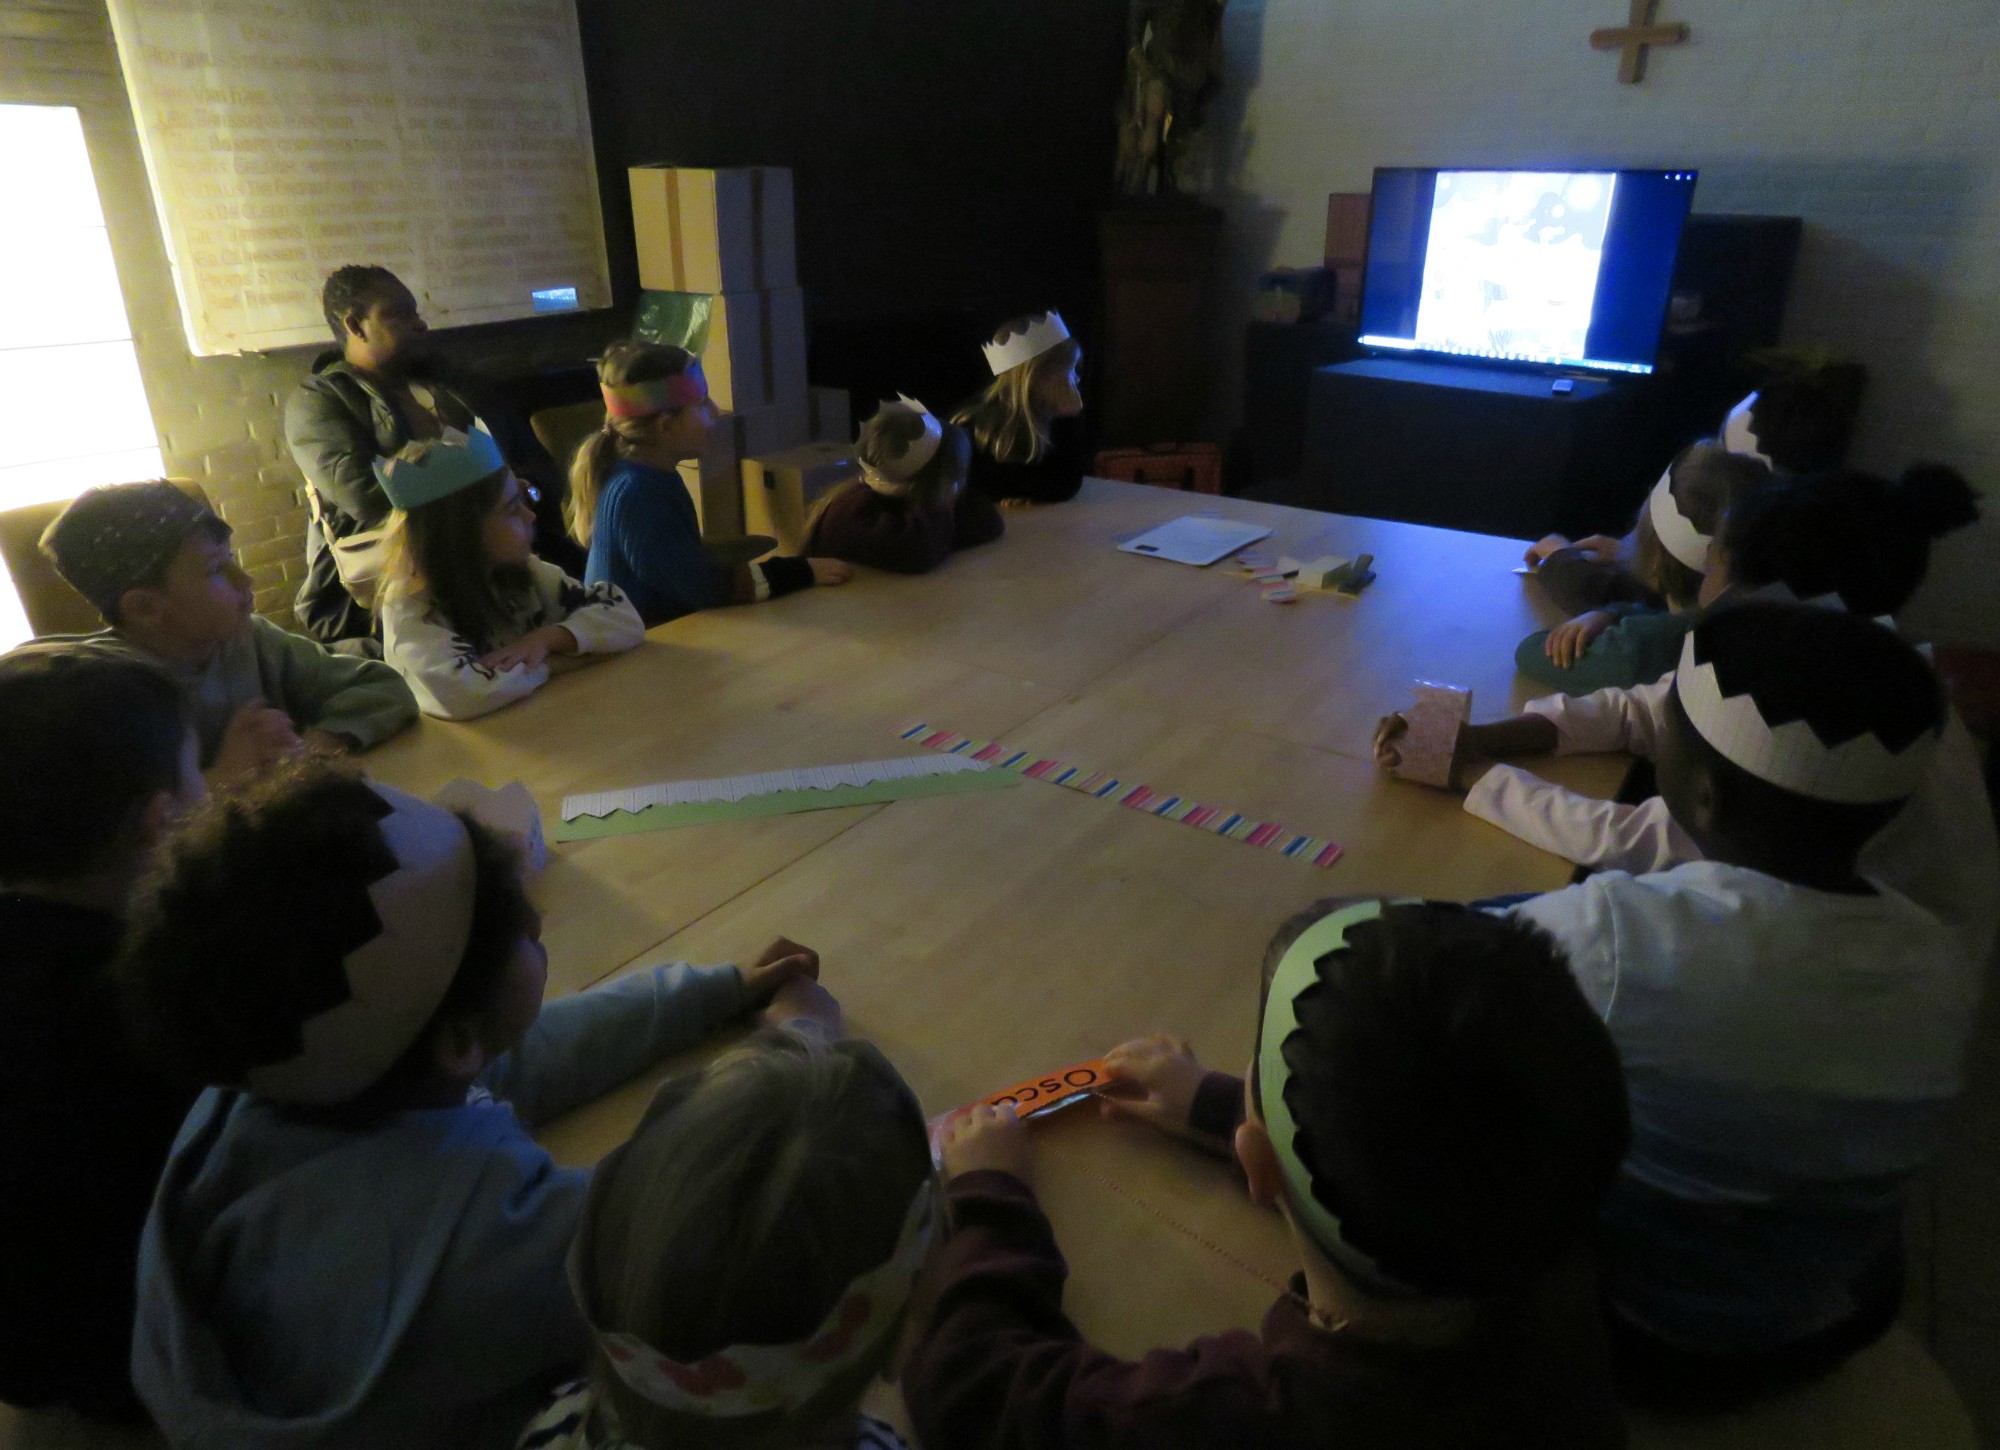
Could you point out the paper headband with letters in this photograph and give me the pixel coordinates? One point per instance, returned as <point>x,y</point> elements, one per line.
<point>1043,333</point>
<point>396,979</point>
<point>893,475</point>
<point>1858,771</point>
<point>655,395</point>
<point>1675,531</point>
<point>766,1379</point>
<point>448,464</point>
<point>1296,972</point>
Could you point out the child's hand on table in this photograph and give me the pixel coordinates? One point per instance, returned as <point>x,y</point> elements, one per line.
<point>1469,760</point>
<point>781,962</point>
<point>330,742</point>
<point>256,738</point>
<point>1601,547</point>
<point>531,649</point>
<point>828,572</point>
<point>1542,548</point>
<point>1154,1081</point>
<point>1568,640</point>
<point>986,1137</point>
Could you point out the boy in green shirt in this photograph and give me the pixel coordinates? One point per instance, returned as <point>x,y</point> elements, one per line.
<point>157,565</point>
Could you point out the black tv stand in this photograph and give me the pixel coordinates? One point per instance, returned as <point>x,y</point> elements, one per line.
<point>1490,449</point>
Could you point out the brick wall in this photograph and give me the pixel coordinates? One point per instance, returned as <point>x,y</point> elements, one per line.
<point>220,419</point>
<point>1879,123</point>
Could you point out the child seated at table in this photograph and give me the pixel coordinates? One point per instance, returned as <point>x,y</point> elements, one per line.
<point>470,617</point>
<point>1436,1112</point>
<point>101,755</point>
<point>1791,1030</point>
<point>356,1243</point>
<point>1850,538</point>
<point>1797,422</point>
<point>1631,643</point>
<point>1027,446</point>
<point>379,387</point>
<point>910,509</point>
<point>156,563</point>
<point>745,1261</point>
<point>629,507</point>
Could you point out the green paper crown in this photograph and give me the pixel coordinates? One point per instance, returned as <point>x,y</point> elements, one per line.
<point>1296,972</point>
<point>455,461</point>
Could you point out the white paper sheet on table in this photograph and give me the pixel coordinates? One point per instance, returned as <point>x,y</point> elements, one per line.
<point>738,787</point>
<point>1197,539</point>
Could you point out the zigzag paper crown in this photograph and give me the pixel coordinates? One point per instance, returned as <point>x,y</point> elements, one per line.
<point>1675,531</point>
<point>397,977</point>
<point>453,462</point>
<point>894,475</point>
<point>1861,770</point>
<point>1044,332</point>
<point>1299,970</point>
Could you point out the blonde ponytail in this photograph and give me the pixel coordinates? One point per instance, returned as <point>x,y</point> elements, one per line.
<point>595,457</point>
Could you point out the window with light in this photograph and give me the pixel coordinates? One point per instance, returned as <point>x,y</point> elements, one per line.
<point>72,407</point>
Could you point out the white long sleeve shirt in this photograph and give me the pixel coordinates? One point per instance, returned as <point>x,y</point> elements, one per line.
<point>1941,850</point>
<point>1789,1054</point>
<point>443,667</point>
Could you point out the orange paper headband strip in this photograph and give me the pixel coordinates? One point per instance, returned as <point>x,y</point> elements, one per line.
<point>656,395</point>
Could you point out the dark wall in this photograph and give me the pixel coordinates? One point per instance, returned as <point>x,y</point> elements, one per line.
<point>948,155</point>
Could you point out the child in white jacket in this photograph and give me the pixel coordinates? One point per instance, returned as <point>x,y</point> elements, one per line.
<point>470,617</point>
<point>1845,539</point>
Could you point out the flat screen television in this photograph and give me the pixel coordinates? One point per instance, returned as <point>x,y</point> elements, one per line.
<point>1566,269</point>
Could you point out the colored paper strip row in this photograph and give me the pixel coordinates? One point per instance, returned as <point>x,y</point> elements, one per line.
<point>1217,820</point>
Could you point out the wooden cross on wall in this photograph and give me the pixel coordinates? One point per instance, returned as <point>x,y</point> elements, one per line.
<point>1633,38</point>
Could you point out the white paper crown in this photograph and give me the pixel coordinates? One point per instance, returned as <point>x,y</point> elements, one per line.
<point>893,477</point>
<point>1044,332</point>
<point>1676,533</point>
<point>1297,971</point>
<point>396,979</point>
<point>1860,771</point>
<point>1737,434</point>
<point>763,1379</point>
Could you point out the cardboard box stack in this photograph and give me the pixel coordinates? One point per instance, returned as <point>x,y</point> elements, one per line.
<point>718,260</point>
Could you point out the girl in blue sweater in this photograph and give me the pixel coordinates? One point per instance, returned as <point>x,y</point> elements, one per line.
<point>628,506</point>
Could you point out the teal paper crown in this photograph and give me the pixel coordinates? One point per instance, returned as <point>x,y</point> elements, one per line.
<point>455,461</point>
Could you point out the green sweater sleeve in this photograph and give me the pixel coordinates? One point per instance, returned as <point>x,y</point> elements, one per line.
<point>321,690</point>
<point>1634,651</point>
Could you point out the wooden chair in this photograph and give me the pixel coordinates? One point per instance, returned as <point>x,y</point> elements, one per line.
<point>563,429</point>
<point>1891,1396</point>
<point>51,605</point>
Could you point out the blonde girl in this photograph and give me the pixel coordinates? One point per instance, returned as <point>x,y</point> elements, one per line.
<point>746,1260</point>
<point>1027,446</point>
<point>628,506</point>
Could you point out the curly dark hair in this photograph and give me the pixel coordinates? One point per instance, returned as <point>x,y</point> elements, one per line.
<point>239,934</point>
<point>353,289</point>
<point>1461,1108</point>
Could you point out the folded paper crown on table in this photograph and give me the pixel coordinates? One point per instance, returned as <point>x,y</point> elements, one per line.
<point>1428,746</point>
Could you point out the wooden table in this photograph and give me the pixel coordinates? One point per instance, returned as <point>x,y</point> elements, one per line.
<point>983,938</point>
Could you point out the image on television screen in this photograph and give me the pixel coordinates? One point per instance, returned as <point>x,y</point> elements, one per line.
<point>1562,268</point>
